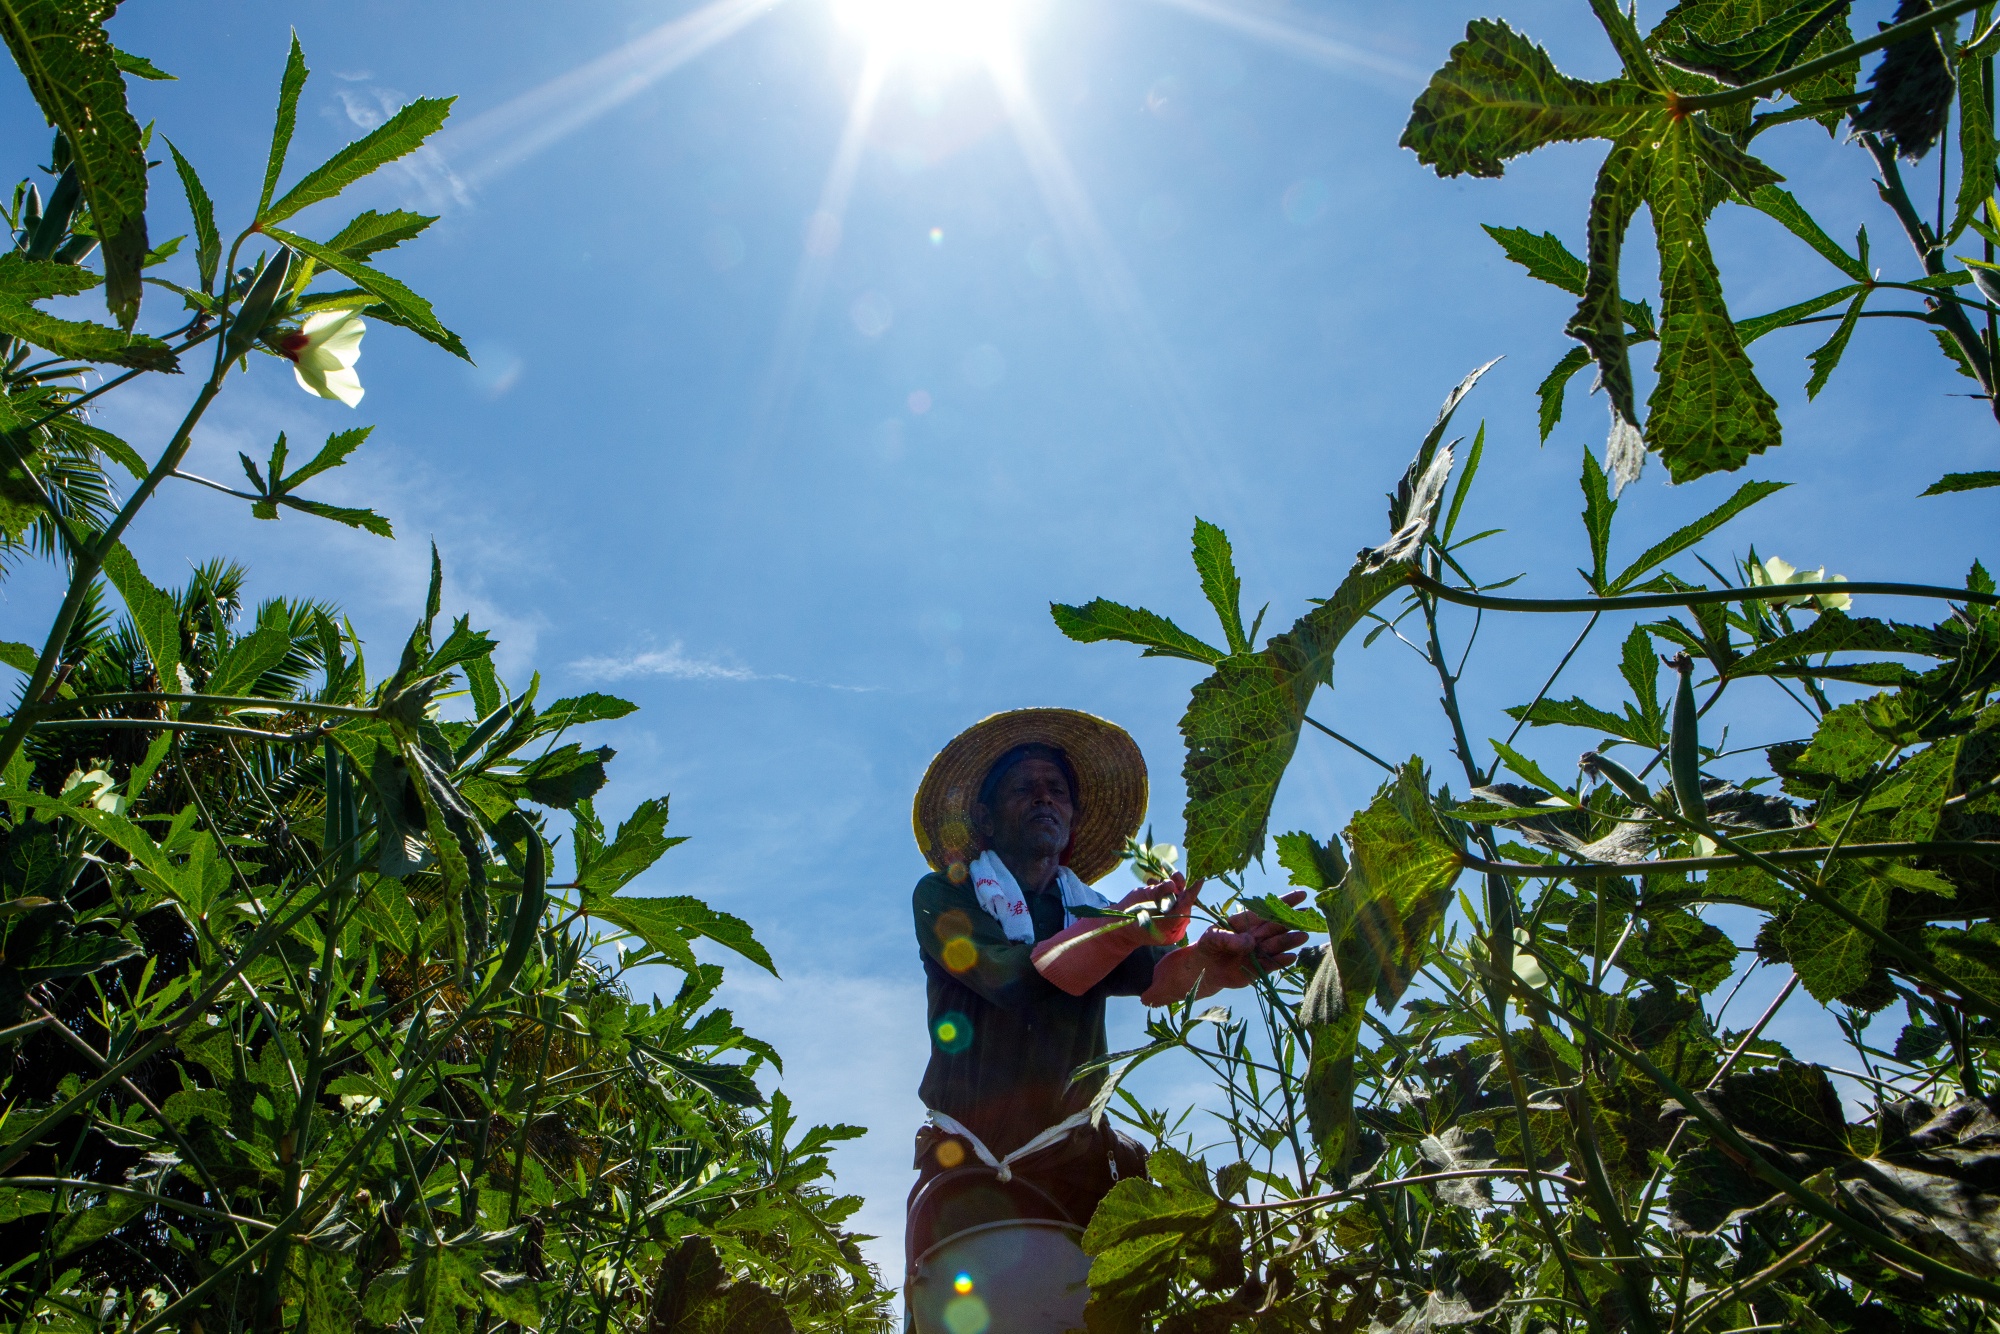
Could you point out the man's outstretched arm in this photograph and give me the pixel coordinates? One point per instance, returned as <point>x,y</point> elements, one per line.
<point>1225,958</point>
<point>1080,956</point>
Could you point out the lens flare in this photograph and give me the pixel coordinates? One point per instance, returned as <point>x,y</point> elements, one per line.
<point>953,1032</point>
<point>967,1315</point>
<point>960,954</point>
<point>962,1284</point>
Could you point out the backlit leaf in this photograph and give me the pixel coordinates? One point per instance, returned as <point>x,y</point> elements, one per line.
<point>1781,205</point>
<point>405,306</point>
<point>1242,724</point>
<point>23,280</point>
<point>1599,322</point>
<point>1961,481</point>
<point>371,231</point>
<point>153,613</point>
<point>1219,582</point>
<point>72,70</point>
<point>1707,413</point>
<point>401,134</point>
<point>1101,619</point>
<point>1499,95</point>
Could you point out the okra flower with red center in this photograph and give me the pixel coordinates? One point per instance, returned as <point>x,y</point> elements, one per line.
<point>323,351</point>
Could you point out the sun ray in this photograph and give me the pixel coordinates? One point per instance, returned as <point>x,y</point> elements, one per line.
<point>821,242</point>
<point>1317,48</point>
<point>1115,299</point>
<point>498,140</point>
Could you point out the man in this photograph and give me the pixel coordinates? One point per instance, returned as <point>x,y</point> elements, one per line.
<point>1016,816</point>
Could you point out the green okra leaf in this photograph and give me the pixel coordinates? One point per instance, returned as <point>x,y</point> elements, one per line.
<point>1499,95</point>
<point>1707,413</point>
<point>398,136</point>
<point>1101,619</point>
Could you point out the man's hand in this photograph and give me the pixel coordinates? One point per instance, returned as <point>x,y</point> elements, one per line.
<point>1166,926</point>
<point>1080,956</point>
<point>1226,958</point>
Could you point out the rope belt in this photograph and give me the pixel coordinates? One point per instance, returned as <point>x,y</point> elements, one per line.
<point>1004,1167</point>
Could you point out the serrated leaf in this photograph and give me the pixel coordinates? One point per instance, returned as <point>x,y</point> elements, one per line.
<point>405,306</point>
<point>1709,1192</point>
<point>1101,619</point>
<point>1707,413</point>
<point>1313,865</point>
<point>105,443</point>
<point>1599,322</point>
<point>331,455</point>
<point>290,85</point>
<point>239,667</point>
<point>398,136</point>
<point>1976,154</point>
<point>1216,565</point>
<point>639,843</point>
<point>1836,632</point>
<point>661,922</point>
<point>1679,947</point>
<point>1499,95</point>
<point>1274,909</point>
<point>1599,508</point>
<point>1547,258</point>
<point>1544,257</point>
<point>154,615</point>
<point>1640,667</point>
<point>207,241</point>
<point>1777,43</point>
<point>72,69</point>
<point>1555,383</point>
<point>1750,330</point>
<point>1381,919</point>
<point>1524,767</point>
<point>23,280</point>
<point>371,231</point>
<point>1828,354</point>
<point>1242,724</point>
<point>353,518</point>
<point>1577,713</point>
<point>141,68</point>
<point>1961,481</point>
<point>1741,172</point>
<point>1689,534</point>
<point>566,775</point>
<point>19,656</point>
<point>1831,957</point>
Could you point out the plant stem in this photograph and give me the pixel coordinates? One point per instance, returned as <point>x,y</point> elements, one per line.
<point>1673,865</point>
<point>90,560</point>
<point>1701,597</point>
<point>1757,88</point>
<point>1354,746</point>
<point>1930,252</point>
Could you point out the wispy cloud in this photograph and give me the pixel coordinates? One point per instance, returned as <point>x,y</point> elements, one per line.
<point>675,663</point>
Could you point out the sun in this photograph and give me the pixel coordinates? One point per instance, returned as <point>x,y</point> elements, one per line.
<point>934,34</point>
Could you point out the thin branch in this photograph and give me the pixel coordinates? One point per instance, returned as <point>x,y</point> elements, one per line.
<point>1670,865</point>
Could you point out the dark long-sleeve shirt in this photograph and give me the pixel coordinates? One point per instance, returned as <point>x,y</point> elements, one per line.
<point>1004,1039</point>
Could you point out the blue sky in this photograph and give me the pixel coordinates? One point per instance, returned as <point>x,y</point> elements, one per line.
<point>789,424</point>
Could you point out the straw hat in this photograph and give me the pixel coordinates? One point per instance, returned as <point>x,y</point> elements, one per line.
<point>1109,769</point>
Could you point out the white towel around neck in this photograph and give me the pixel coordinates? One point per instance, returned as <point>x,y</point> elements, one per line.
<point>995,888</point>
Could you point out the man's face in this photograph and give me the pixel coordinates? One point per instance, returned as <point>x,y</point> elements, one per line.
<point>1031,811</point>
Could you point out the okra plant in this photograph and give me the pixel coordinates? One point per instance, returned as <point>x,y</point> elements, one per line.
<point>1509,1087</point>
<point>306,1026</point>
